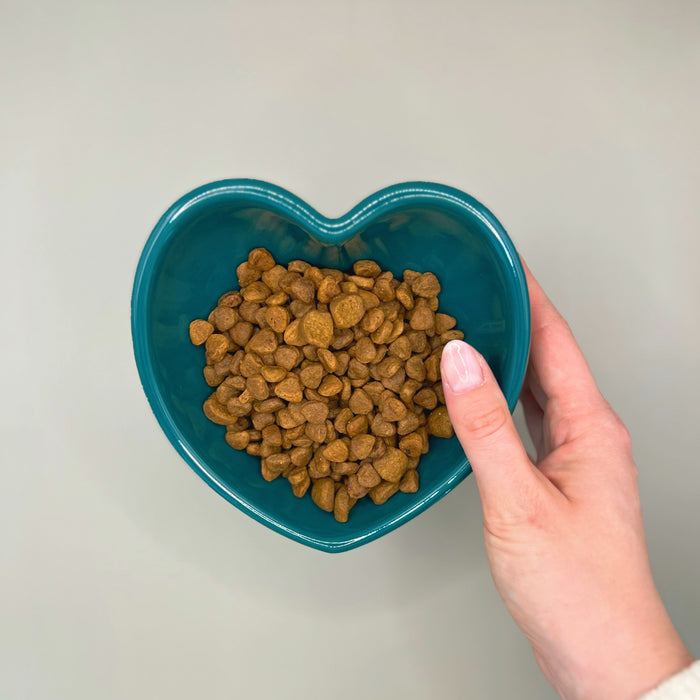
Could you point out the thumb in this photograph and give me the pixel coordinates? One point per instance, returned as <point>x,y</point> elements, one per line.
<point>507,480</point>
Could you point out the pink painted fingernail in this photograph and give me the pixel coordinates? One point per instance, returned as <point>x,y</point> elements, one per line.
<point>460,367</point>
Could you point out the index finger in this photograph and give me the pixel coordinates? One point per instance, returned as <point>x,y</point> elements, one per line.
<point>555,357</point>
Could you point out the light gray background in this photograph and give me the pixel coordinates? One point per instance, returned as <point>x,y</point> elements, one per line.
<point>122,574</point>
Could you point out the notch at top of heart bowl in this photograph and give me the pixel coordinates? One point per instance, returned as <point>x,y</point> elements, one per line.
<point>190,259</point>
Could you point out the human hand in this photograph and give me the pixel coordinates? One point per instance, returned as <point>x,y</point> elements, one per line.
<point>564,534</point>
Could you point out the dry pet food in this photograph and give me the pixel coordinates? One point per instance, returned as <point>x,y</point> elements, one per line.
<point>331,378</point>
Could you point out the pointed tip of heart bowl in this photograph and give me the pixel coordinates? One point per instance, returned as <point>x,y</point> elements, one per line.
<point>190,258</point>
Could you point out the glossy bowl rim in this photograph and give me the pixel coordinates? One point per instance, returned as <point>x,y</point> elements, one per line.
<point>330,231</point>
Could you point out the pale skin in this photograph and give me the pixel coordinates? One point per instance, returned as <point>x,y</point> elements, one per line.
<point>563,531</point>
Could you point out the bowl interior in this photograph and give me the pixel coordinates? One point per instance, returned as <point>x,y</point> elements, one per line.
<point>196,263</point>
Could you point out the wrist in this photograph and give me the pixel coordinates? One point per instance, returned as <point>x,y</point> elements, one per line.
<point>621,660</point>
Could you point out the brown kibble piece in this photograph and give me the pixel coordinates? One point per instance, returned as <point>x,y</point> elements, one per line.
<point>224,318</point>
<point>303,290</point>
<point>444,323</point>
<point>287,357</point>
<point>257,387</point>
<point>439,423</point>
<point>288,418</point>
<point>200,330</point>
<point>261,259</point>
<point>341,506</point>
<point>404,295</point>
<point>451,335</point>
<point>238,440</point>
<point>361,283</point>
<point>393,409</point>
<point>372,320</point>
<point>323,494</point>
<point>383,492</point>
<point>344,468</point>
<point>277,463</point>
<point>392,465</point>
<point>277,299</point>
<point>327,289</point>
<point>422,319</point>
<point>365,350</point>
<point>409,482</point>
<point>246,274</point>
<point>316,431</point>
<point>384,289</point>
<point>357,425</point>
<point>408,424</point>
<point>216,346</point>
<point>272,435</point>
<point>256,292</point>
<point>250,364</point>
<point>315,411</point>
<point>293,334</point>
<point>357,370</point>
<point>401,348</point>
<point>299,308</point>
<point>342,359</point>
<point>273,276</point>
<point>415,368</point>
<point>300,456</point>
<point>317,327</point>
<point>330,386</point>
<point>299,480</point>
<point>361,446</point>
<point>254,449</point>
<point>336,451</point>
<point>426,398</point>
<point>432,368</point>
<point>241,332</point>
<point>418,341</point>
<point>217,413</point>
<point>289,389</point>
<point>248,311</point>
<point>411,444</point>
<point>381,427</point>
<point>388,367</point>
<point>327,359</point>
<point>312,375</point>
<point>273,373</point>
<point>347,310</point>
<point>367,476</point>
<point>382,334</point>
<point>355,489</point>
<point>369,299</point>
<point>360,402</point>
<point>230,299</point>
<point>269,405</point>
<point>341,420</point>
<point>366,268</point>
<point>277,318</point>
<point>264,341</point>
<point>262,420</point>
<point>426,285</point>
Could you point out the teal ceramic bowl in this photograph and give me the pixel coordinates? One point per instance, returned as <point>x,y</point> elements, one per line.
<point>190,260</point>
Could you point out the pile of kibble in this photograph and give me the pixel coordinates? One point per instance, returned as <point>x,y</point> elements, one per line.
<point>331,378</point>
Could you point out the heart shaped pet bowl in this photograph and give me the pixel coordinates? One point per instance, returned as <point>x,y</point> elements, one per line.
<point>190,260</point>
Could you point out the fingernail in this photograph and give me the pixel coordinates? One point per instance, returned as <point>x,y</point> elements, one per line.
<point>460,367</point>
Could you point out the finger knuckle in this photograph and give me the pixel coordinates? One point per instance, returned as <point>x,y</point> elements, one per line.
<point>617,430</point>
<point>483,424</point>
<point>528,511</point>
<point>552,326</point>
